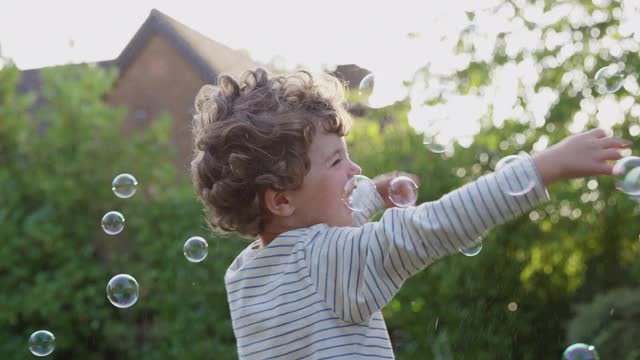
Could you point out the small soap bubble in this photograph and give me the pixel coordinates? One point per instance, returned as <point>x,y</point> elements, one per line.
<point>196,249</point>
<point>42,343</point>
<point>122,291</point>
<point>519,185</point>
<point>113,222</point>
<point>472,251</point>
<point>403,191</point>
<point>513,306</point>
<point>366,87</point>
<point>355,192</point>
<point>580,351</point>
<point>631,182</point>
<point>609,79</point>
<point>124,186</point>
<point>626,173</point>
<point>430,143</point>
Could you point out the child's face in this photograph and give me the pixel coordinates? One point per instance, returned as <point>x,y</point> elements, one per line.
<point>320,198</point>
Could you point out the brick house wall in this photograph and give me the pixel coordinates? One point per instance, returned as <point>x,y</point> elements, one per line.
<point>160,79</point>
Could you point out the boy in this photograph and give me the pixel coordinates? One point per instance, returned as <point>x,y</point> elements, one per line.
<point>271,162</point>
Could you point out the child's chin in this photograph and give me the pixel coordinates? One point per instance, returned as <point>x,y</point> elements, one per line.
<point>345,221</point>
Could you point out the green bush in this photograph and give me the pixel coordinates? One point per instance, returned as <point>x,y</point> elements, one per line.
<point>458,307</point>
<point>55,260</point>
<point>610,323</point>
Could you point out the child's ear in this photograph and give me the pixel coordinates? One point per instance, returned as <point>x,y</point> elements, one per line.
<point>278,202</point>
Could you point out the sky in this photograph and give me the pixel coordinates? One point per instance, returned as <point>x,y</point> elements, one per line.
<point>38,33</point>
<point>316,35</point>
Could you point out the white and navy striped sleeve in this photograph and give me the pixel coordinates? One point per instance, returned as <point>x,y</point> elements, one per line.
<point>358,270</point>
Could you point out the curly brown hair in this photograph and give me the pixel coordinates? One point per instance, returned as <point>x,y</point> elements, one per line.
<point>254,134</point>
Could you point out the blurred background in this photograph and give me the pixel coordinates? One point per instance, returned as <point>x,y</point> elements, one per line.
<point>91,90</point>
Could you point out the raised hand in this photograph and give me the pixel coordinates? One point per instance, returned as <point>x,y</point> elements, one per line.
<point>580,155</point>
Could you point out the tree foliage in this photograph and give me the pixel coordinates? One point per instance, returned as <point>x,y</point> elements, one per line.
<point>562,264</point>
<point>581,244</point>
<point>56,168</point>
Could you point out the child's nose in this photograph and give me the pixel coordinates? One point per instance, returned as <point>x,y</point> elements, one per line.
<point>355,169</point>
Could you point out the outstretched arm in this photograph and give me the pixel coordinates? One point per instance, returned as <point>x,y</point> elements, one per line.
<point>579,155</point>
<point>356,271</point>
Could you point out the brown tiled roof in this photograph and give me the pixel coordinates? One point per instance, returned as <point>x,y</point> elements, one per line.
<point>208,56</point>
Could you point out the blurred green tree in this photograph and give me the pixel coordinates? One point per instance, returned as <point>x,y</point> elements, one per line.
<point>582,243</point>
<point>55,172</point>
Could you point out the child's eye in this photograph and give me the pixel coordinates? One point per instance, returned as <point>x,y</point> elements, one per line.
<point>336,162</point>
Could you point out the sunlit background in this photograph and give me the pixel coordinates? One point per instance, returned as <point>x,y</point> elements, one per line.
<point>394,42</point>
<point>482,79</point>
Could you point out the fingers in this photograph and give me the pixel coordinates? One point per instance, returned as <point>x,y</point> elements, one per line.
<point>597,133</point>
<point>604,169</point>
<point>610,154</point>
<point>611,142</point>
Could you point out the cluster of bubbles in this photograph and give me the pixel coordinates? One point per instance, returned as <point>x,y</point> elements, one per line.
<point>122,289</point>
<point>608,79</point>
<point>626,172</point>
<point>123,186</point>
<point>402,192</point>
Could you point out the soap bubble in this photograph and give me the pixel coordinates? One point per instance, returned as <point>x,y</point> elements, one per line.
<point>355,192</point>
<point>430,137</point>
<point>403,191</point>
<point>366,87</point>
<point>430,143</point>
<point>196,249</point>
<point>516,186</point>
<point>42,343</point>
<point>124,186</point>
<point>113,222</point>
<point>609,79</point>
<point>626,173</point>
<point>580,351</point>
<point>122,291</point>
<point>472,251</point>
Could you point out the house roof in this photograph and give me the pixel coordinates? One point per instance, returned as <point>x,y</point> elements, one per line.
<point>208,56</point>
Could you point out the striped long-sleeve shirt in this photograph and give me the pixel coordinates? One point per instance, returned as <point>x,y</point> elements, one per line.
<point>317,292</point>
